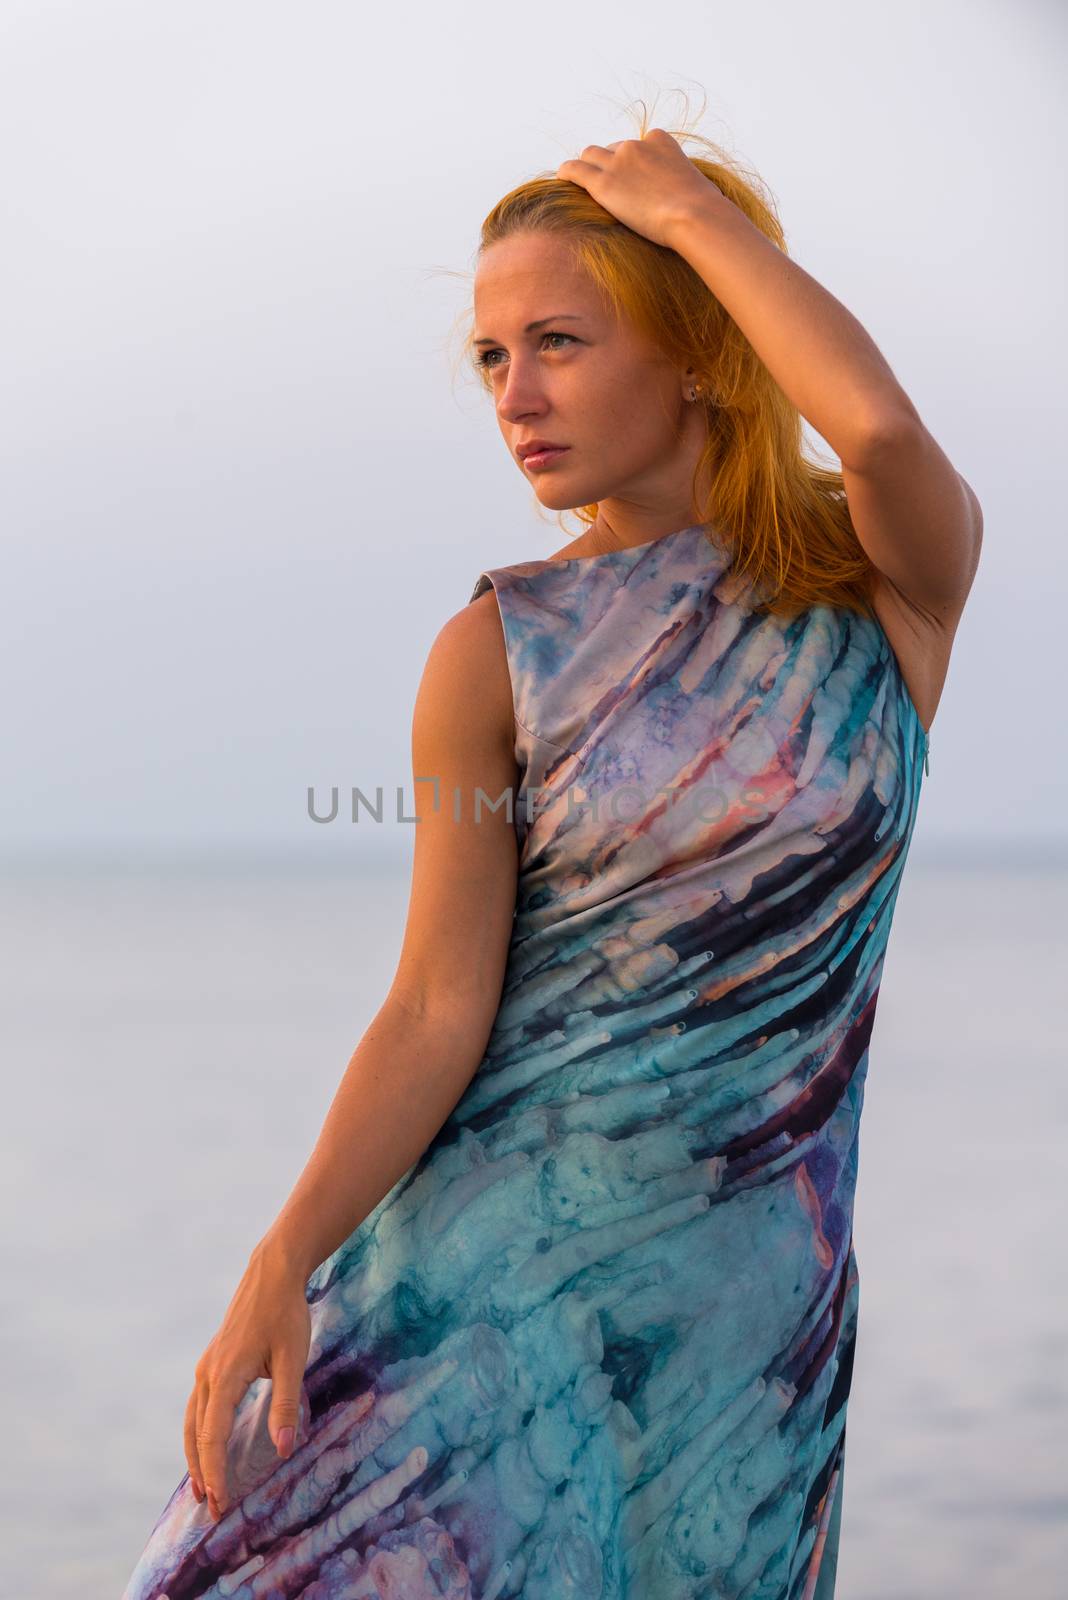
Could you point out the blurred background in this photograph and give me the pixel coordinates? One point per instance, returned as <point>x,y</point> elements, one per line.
<point>246,478</point>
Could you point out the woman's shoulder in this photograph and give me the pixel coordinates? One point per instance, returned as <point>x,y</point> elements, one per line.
<point>565,562</point>
<point>516,573</point>
<point>467,666</point>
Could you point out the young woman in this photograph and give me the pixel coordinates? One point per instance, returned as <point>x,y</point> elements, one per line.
<point>564,1303</point>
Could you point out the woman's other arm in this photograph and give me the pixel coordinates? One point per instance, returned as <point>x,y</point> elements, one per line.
<point>416,1058</point>
<point>423,1046</point>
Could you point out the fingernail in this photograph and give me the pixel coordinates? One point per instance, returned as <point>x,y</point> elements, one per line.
<point>285,1441</point>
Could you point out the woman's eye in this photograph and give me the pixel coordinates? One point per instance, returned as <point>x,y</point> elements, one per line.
<point>486,358</point>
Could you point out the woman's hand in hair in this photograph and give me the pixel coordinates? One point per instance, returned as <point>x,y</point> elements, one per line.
<point>649,184</point>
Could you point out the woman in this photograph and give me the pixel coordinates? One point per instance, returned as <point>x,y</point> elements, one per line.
<point>565,1300</point>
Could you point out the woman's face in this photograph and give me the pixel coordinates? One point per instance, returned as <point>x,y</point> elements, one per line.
<point>583,379</point>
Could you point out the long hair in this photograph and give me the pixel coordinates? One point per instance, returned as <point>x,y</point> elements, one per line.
<point>783,516</point>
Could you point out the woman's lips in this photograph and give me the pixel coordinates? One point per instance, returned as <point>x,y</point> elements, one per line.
<point>544,458</point>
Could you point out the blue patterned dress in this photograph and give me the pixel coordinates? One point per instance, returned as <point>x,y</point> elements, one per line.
<point>597,1342</point>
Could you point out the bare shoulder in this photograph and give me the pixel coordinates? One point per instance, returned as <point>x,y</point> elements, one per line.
<point>465,860</point>
<point>921,639</point>
<point>466,681</point>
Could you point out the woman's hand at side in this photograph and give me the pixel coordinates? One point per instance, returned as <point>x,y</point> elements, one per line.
<point>265,1333</point>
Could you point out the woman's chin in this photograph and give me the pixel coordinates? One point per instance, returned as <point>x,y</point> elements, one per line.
<point>559,496</point>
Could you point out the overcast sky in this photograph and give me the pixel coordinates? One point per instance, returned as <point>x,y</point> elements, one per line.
<point>242,484</point>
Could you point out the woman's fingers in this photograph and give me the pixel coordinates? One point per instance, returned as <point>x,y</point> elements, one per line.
<point>213,1434</point>
<point>288,1363</point>
<point>202,1401</point>
<point>189,1441</point>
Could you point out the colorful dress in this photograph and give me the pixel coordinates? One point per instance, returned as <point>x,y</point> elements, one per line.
<point>597,1342</point>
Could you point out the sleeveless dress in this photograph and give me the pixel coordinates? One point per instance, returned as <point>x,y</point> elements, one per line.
<point>597,1342</point>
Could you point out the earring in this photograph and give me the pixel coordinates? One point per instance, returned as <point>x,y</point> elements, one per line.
<point>695,390</point>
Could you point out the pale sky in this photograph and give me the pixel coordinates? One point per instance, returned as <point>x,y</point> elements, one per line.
<point>242,489</point>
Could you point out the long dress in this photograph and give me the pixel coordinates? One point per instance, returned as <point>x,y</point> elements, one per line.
<point>597,1342</point>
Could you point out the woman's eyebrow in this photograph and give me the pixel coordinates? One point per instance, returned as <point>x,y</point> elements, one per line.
<point>565,316</point>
